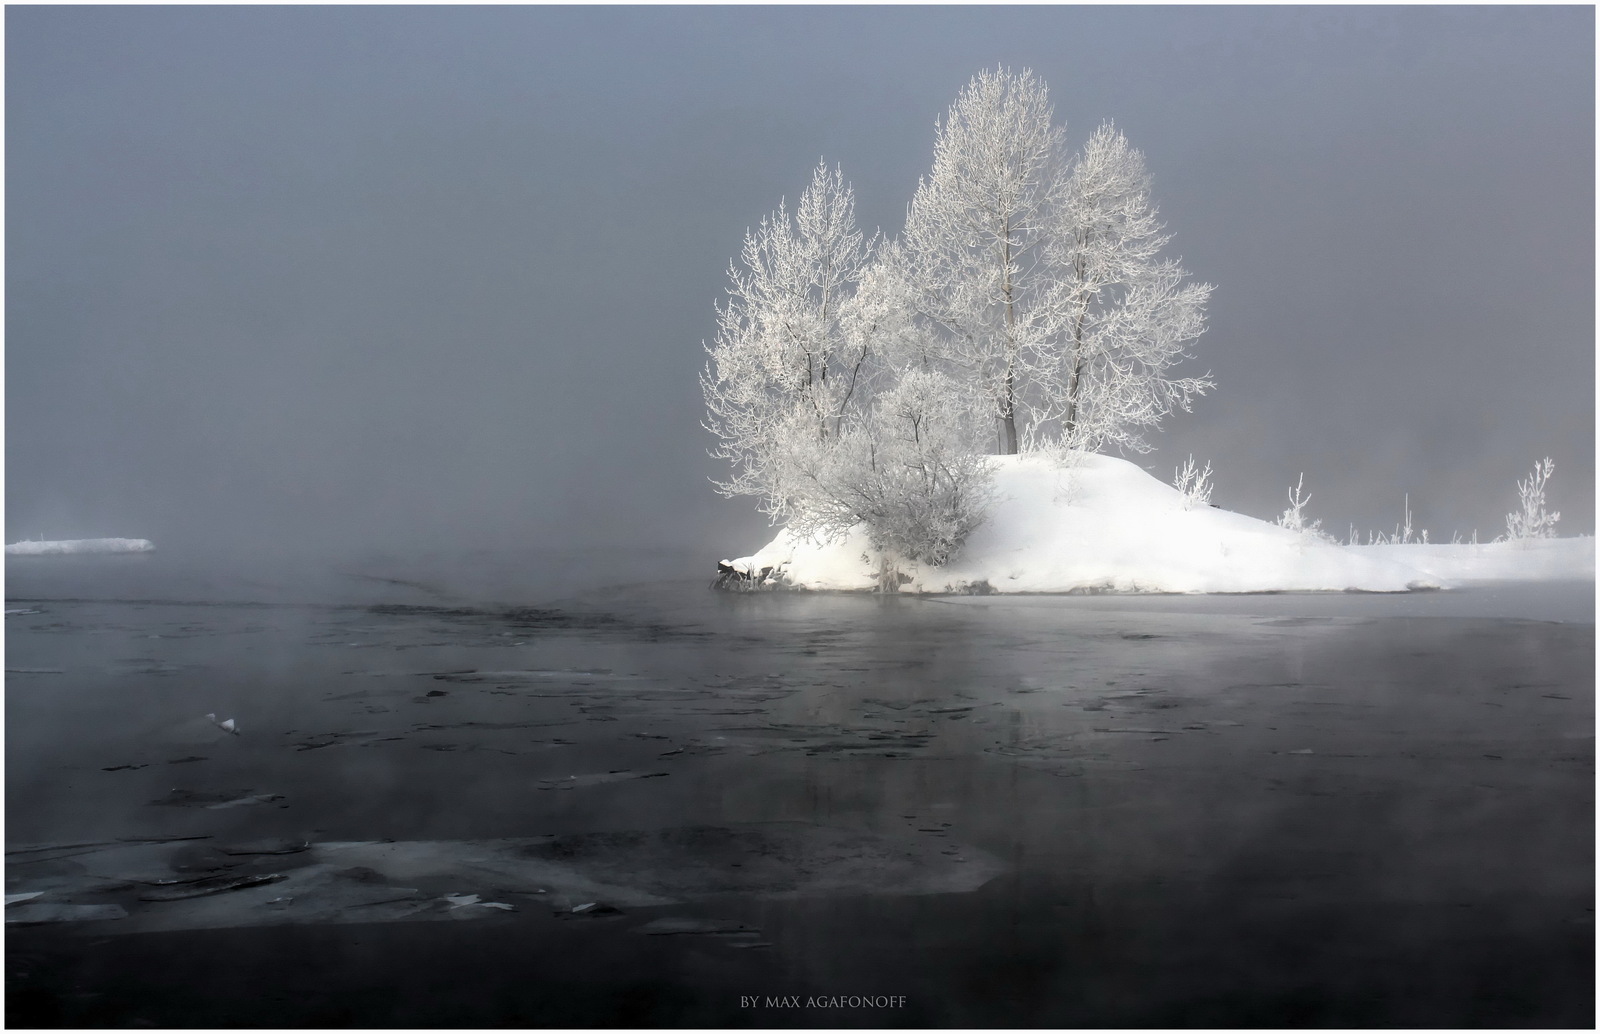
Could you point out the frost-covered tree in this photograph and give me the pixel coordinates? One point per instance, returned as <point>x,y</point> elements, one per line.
<point>1533,521</point>
<point>1044,275</point>
<point>975,244</point>
<point>1025,304</point>
<point>820,388</point>
<point>788,356</point>
<point>1130,316</point>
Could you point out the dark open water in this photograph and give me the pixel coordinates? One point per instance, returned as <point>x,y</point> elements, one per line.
<point>1285,810</point>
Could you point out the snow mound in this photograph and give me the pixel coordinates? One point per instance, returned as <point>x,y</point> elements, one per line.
<point>79,546</point>
<point>1101,525</point>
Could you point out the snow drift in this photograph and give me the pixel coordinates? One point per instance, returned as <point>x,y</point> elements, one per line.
<point>1104,525</point>
<point>79,546</point>
<point>1522,560</point>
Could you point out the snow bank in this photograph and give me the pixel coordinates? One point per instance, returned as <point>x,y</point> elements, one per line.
<point>79,546</point>
<point>1540,560</point>
<point>1105,525</point>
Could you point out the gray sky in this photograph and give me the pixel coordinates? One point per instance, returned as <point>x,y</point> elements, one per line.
<point>440,276</point>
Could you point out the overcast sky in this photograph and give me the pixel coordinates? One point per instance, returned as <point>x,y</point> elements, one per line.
<point>416,276</point>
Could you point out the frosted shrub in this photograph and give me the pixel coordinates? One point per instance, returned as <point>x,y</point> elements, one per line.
<point>1293,518</point>
<point>910,473</point>
<point>1533,521</point>
<point>1195,484</point>
<point>1405,535</point>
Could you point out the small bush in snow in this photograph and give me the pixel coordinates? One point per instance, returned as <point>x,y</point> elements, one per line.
<point>1533,521</point>
<point>1293,518</point>
<point>909,473</point>
<point>1195,484</point>
<point>1403,534</point>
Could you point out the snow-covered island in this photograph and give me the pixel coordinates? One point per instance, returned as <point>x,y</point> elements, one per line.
<point>64,546</point>
<point>934,412</point>
<point>1104,525</point>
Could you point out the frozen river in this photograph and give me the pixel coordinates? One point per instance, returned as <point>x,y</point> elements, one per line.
<point>678,807</point>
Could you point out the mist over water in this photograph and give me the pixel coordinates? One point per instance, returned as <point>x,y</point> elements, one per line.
<point>344,278</point>
<point>466,576</point>
<point>666,584</point>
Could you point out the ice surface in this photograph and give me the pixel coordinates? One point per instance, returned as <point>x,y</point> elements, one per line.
<point>193,887</point>
<point>79,546</point>
<point>1104,525</point>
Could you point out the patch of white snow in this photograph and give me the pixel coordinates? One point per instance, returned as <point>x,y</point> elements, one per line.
<point>1104,525</point>
<point>1520,560</point>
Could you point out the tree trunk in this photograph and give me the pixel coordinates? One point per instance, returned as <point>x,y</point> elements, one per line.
<point>888,573</point>
<point>1070,424</point>
<point>1008,426</point>
<point>1008,408</point>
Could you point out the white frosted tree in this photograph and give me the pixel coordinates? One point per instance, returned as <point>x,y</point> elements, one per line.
<point>1044,278</point>
<point>975,245</point>
<point>787,360</point>
<point>1130,315</point>
<point>1025,305</point>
